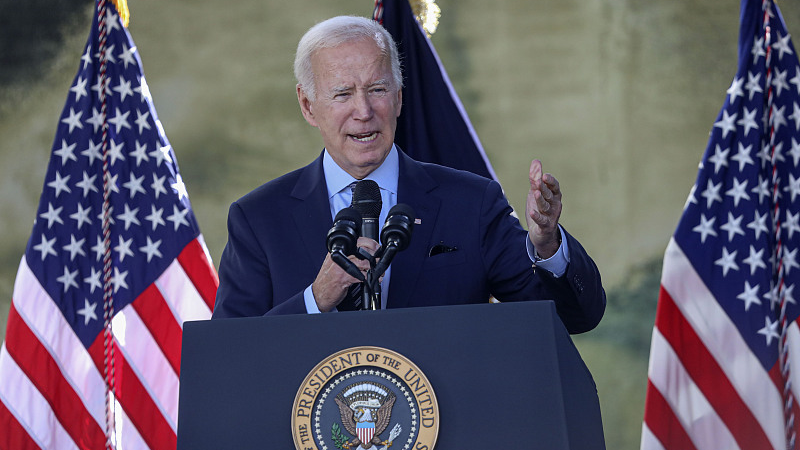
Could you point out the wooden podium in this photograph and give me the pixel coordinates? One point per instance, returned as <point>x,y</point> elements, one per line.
<point>504,375</point>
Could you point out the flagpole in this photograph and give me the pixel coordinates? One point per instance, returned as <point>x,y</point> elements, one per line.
<point>108,296</point>
<point>783,348</point>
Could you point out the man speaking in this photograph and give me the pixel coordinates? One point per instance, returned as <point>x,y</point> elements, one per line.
<point>466,246</point>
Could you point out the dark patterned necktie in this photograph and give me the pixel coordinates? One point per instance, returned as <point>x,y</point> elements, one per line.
<point>353,299</point>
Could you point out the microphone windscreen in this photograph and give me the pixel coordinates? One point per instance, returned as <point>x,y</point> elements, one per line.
<point>367,199</point>
<point>402,209</point>
<point>350,214</point>
<point>345,231</point>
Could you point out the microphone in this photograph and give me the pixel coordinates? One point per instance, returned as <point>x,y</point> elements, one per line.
<point>395,235</point>
<point>399,224</point>
<point>367,201</point>
<point>342,239</point>
<point>343,235</point>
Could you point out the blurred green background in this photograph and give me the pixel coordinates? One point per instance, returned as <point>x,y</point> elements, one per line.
<point>616,97</point>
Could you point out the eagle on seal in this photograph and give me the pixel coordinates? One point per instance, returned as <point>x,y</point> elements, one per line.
<point>381,420</point>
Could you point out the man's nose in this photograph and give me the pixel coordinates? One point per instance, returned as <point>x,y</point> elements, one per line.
<point>363,106</point>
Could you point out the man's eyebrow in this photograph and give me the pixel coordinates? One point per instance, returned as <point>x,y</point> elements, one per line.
<point>340,89</point>
<point>344,89</point>
<point>381,82</point>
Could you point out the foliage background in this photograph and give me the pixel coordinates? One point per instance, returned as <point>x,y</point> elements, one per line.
<point>616,97</point>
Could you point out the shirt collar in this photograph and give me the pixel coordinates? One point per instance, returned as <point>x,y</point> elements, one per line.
<point>385,175</point>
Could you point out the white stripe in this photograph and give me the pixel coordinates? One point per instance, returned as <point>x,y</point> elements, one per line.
<point>698,417</point>
<point>126,435</point>
<point>181,295</point>
<point>793,342</point>
<point>722,339</point>
<point>46,321</point>
<point>29,407</point>
<point>458,104</point>
<point>146,359</point>
<point>649,441</point>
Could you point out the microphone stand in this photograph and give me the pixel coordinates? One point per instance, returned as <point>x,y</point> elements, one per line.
<point>371,289</point>
<point>372,292</point>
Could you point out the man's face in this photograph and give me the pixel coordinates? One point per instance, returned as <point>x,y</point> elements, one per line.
<point>356,107</point>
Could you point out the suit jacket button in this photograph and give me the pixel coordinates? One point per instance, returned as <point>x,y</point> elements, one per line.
<point>578,284</point>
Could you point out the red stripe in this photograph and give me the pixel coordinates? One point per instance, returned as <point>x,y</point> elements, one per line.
<point>158,318</point>
<point>203,275</point>
<point>775,375</point>
<point>14,436</point>
<point>663,422</point>
<point>40,367</point>
<point>708,375</point>
<point>135,400</point>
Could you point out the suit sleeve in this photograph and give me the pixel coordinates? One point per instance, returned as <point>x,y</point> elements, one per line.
<point>245,284</point>
<point>584,309</point>
<point>578,294</point>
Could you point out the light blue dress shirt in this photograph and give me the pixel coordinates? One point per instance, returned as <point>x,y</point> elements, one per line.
<point>340,196</point>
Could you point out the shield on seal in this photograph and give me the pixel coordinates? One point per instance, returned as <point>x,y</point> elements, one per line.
<point>365,431</point>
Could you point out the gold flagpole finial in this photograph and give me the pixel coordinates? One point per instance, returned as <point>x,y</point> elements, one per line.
<point>427,13</point>
<point>122,10</point>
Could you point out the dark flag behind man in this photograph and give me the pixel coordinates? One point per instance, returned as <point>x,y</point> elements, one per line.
<point>114,265</point>
<point>725,354</point>
<point>433,125</point>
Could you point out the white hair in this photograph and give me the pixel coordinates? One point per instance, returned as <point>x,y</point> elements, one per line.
<point>334,32</point>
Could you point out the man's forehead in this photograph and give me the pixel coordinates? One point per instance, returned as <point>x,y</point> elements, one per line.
<point>342,74</point>
<point>356,48</point>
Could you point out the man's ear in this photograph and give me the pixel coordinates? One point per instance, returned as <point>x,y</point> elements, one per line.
<point>399,102</point>
<point>306,106</point>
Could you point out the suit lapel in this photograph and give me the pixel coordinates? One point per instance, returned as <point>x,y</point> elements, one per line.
<point>312,215</point>
<point>414,188</point>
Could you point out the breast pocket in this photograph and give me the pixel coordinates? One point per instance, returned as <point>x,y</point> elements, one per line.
<point>445,259</point>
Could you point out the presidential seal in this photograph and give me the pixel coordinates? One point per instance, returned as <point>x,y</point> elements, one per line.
<point>365,398</point>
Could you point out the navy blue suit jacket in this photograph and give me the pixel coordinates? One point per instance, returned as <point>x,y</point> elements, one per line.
<point>277,243</point>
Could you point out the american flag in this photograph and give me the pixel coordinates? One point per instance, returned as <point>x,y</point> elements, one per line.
<point>724,367</point>
<point>64,383</point>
